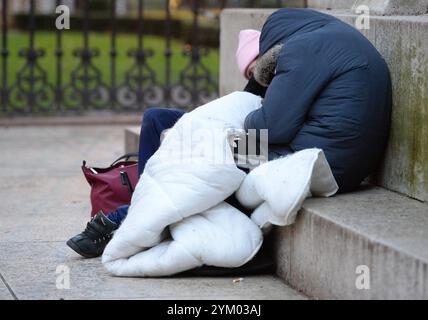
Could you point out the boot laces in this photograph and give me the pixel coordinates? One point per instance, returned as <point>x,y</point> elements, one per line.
<point>95,235</point>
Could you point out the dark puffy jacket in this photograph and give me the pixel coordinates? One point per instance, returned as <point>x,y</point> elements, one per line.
<point>331,90</point>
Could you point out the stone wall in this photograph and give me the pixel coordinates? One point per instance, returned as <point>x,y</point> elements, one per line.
<point>231,22</point>
<point>403,42</point>
<point>329,4</point>
<point>379,7</point>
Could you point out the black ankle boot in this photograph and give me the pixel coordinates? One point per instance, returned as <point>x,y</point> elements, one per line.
<point>91,242</point>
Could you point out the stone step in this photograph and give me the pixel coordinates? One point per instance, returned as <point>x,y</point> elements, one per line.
<point>384,232</point>
<point>132,138</point>
<point>380,231</point>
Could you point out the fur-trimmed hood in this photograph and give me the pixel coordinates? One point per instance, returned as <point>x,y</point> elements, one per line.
<point>281,26</point>
<point>264,70</point>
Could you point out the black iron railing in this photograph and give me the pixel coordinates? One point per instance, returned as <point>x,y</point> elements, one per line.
<point>31,89</point>
<point>86,87</point>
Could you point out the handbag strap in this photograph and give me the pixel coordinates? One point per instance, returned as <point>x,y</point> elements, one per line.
<point>126,157</point>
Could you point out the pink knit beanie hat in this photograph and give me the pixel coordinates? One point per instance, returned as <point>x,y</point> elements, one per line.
<point>248,48</point>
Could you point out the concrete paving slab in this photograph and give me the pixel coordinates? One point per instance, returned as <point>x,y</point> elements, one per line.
<point>43,192</point>
<point>38,210</point>
<point>30,269</point>
<point>4,291</point>
<point>45,200</point>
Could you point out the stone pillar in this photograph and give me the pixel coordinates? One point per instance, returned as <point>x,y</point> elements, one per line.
<point>231,22</point>
<point>377,7</point>
<point>293,3</point>
<point>331,4</point>
<point>70,4</point>
<point>9,14</point>
<point>121,7</point>
<point>20,5</point>
<point>45,7</point>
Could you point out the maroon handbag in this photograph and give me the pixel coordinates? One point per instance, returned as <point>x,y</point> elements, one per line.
<point>112,187</point>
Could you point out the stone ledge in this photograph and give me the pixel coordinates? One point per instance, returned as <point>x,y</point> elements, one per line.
<point>132,139</point>
<point>383,230</point>
<point>378,7</point>
<point>99,119</point>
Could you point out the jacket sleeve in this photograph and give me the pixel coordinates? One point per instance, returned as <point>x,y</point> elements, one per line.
<point>301,72</point>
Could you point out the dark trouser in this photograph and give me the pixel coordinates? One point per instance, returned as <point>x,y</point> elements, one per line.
<point>155,121</point>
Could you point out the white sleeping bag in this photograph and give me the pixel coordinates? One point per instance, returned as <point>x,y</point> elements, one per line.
<point>278,188</point>
<point>221,236</point>
<point>192,172</point>
<point>184,187</point>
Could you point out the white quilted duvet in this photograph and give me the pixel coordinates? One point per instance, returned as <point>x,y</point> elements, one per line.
<point>178,219</point>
